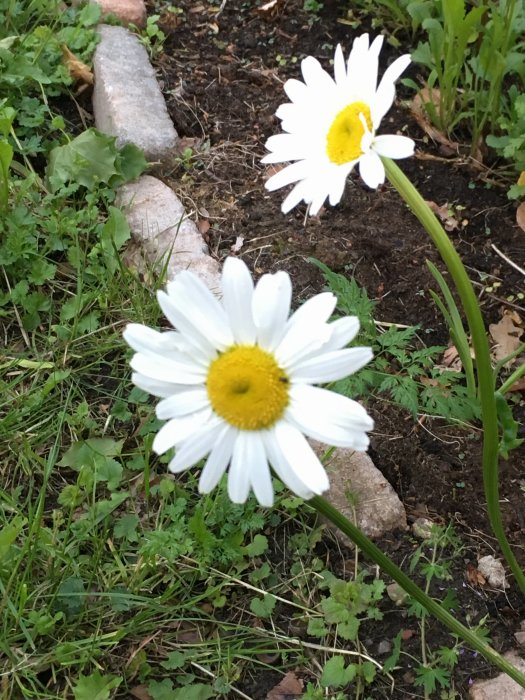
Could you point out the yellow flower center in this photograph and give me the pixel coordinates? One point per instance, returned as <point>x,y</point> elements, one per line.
<point>247,387</point>
<point>343,142</point>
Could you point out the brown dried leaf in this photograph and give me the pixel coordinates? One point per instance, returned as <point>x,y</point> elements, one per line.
<point>79,72</point>
<point>452,359</point>
<point>270,9</point>
<point>290,688</point>
<point>475,577</point>
<point>140,692</point>
<point>520,216</point>
<point>418,111</point>
<point>444,213</point>
<point>506,334</point>
<point>203,225</point>
<point>518,386</point>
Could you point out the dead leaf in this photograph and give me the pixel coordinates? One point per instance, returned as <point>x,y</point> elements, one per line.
<point>520,216</point>
<point>140,692</point>
<point>506,334</point>
<point>452,359</point>
<point>203,225</point>
<point>290,688</point>
<point>79,72</point>
<point>445,214</point>
<point>475,577</point>
<point>269,10</point>
<point>417,108</point>
<point>407,634</point>
<point>518,386</point>
<point>239,242</point>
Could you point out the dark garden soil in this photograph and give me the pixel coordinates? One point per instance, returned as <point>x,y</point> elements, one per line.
<point>222,75</point>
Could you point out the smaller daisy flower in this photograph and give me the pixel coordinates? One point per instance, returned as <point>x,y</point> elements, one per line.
<point>236,379</point>
<point>331,126</point>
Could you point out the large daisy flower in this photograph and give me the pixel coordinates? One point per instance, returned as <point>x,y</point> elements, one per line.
<point>331,126</point>
<point>236,382</point>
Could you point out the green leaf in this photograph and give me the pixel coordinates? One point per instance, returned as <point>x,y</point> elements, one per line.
<point>85,452</point>
<point>161,690</point>
<point>316,627</point>
<point>95,686</point>
<point>89,159</point>
<point>263,607</point>
<point>175,660</point>
<point>335,674</point>
<point>257,546</point>
<point>71,596</point>
<point>8,535</point>
<point>126,528</point>
<point>430,677</point>
<point>196,691</point>
<point>392,660</point>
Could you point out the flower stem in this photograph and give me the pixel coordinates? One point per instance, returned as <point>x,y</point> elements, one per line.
<point>485,375</point>
<point>432,606</point>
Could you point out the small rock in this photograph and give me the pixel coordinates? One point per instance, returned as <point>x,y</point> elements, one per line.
<point>128,11</point>
<point>384,647</point>
<point>397,594</point>
<point>520,635</point>
<point>502,687</point>
<point>356,484</point>
<point>127,100</point>
<point>492,570</point>
<point>162,233</point>
<point>422,528</point>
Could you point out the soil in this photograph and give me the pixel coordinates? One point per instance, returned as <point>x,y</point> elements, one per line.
<point>222,74</point>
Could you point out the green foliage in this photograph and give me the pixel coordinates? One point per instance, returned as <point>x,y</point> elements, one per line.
<point>409,377</point>
<point>508,139</point>
<point>263,607</point>
<point>95,686</point>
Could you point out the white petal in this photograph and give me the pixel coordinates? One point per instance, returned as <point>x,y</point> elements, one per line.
<point>218,460</point>
<point>145,339</point>
<point>306,329</point>
<point>330,366</point>
<point>271,306</point>
<point>289,174</point>
<point>337,187</point>
<point>329,417</point>
<point>237,288</point>
<point>296,90</point>
<point>282,468</point>
<point>239,472</point>
<point>191,332</point>
<point>339,66</point>
<point>285,147</point>
<point>199,305</point>
<point>298,454</point>
<point>301,192</point>
<point>182,403</point>
<point>178,429</point>
<point>164,369</point>
<point>260,477</point>
<point>314,75</point>
<point>196,446</point>
<point>157,387</point>
<point>372,170</point>
<point>393,146</point>
<point>386,91</point>
<point>344,330</point>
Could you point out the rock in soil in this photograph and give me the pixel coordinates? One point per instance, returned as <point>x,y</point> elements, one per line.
<point>502,687</point>
<point>128,11</point>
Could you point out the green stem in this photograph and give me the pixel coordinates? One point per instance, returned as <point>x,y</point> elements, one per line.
<point>481,351</point>
<point>517,374</point>
<point>432,606</point>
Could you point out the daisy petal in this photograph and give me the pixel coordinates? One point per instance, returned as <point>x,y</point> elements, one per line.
<point>289,174</point>
<point>218,460</point>
<point>281,466</point>
<point>305,327</point>
<point>162,368</point>
<point>296,90</point>
<point>239,472</point>
<point>196,446</point>
<point>314,74</point>
<point>145,339</point>
<point>330,366</point>
<point>156,387</point>
<point>178,429</point>
<point>299,193</point>
<point>297,453</point>
<point>260,477</point>
<point>394,146</point>
<point>372,170</point>
<point>339,66</point>
<point>271,307</point>
<point>182,403</point>
<point>237,288</point>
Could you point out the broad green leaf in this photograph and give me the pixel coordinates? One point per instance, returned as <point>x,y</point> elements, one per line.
<point>257,546</point>
<point>95,686</point>
<point>336,674</point>
<point>263,607</point>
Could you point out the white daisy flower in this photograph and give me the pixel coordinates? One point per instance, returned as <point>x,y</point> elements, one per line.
<point>331,126</point>
<point>236,379</point>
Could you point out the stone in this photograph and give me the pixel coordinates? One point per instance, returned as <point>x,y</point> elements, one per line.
<point>501,687</point>
<point>163,235</point>
<point>357,485</point>
<point>128,11</point>
<point>492,570</point>
<point>422,528</point>
<point>127,101</point>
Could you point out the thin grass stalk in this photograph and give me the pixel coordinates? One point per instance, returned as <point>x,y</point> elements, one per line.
<point>431,606</point>
<point>485,375</point>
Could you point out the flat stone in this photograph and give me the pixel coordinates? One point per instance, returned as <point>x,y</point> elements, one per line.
<point>361,493</point>
<point>127,101</point>
<point>163,236</point>
<point>128,11</point>
<point>501,687</point>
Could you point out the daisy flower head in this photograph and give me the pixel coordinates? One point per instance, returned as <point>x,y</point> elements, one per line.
<point>236,377</point>
<point>330,126</point>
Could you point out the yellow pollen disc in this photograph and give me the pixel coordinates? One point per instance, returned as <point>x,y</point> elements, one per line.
<point>247,387</point>
<point>343,142</point>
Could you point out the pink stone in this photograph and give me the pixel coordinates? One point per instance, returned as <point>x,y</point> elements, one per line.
<point>128,11</point>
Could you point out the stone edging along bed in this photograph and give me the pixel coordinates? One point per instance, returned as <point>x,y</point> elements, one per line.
<point>128,104</point>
